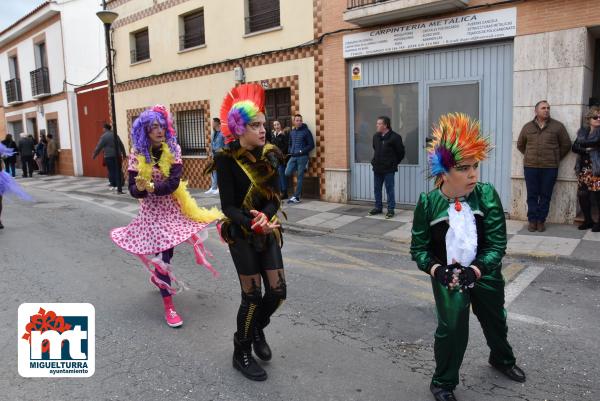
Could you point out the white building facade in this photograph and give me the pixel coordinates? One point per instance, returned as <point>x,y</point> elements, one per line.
<point>44,56</point>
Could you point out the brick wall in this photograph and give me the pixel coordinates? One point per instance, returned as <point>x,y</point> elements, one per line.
<point>533,16</point>
<point>65,162</point>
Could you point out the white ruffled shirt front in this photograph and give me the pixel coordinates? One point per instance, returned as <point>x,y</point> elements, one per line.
<point>461,238</point>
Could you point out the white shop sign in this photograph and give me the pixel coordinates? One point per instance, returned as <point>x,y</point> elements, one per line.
<point>441,32</point>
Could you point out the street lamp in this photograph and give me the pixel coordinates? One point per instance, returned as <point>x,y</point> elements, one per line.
<point>108,17</point>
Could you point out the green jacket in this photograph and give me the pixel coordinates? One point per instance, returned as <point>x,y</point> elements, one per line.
<point>431,214</point>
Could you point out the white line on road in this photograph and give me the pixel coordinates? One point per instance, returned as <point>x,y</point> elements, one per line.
<point>131,208</point>
<point>533,320</point>
<point>516,287</point>
<point>88,200</point>
<point>114,209</point>
<point>522,281</point>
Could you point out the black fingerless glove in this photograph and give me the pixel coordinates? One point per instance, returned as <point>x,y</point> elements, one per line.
<point>443,274</point>
<point>467,278</point>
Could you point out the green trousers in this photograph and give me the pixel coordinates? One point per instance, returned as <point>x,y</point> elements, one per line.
<point>452,334</point>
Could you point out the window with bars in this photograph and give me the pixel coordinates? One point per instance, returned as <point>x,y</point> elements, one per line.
<point>191,132</point>
<point>140,46</point>
<point>13,85</point>
<point>192,25</point>
<point>262,14</point>
<point>15,128</point>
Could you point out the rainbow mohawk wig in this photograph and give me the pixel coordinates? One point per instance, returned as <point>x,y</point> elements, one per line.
<point>240,106</point>
<point>456,137</point>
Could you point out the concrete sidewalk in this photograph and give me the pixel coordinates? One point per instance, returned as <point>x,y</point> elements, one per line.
<point>560,242</point>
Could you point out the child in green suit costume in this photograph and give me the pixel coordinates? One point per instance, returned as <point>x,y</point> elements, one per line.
<point>459,238</point>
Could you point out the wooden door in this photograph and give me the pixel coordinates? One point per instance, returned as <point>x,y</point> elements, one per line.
<point>92,111</point>
<point>278,105</point>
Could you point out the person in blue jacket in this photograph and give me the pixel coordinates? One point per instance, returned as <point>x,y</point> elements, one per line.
<point>217,143</point>
<point>300,144</point>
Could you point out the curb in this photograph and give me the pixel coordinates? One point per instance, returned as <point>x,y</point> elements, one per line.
<point>532,257</point>
<point>558,259</point>
<point>301,229</point>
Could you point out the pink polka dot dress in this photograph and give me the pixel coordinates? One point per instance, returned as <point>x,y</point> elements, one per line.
<point>160,225</point>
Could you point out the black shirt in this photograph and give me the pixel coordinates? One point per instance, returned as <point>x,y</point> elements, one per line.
<point>233,187</point>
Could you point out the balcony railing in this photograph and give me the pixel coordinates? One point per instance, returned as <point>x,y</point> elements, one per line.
<point>13,90</point>
<point>40,82</point>
<point>141,55</point>
<point>187,41</point>
<point>262,21</point>
<point>379,12</point>
<point>361,3</point>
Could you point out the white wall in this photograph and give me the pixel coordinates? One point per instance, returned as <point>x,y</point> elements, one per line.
<point>74,132</point>
<point>63,122</point>
<point>56,65</point>
<point>83,41</point>
<point>84,57</point>
<point>556,66</point>
<point>224,29</point>
<point>26,60</point>
<point>214,87</point>
<point>59,107</point>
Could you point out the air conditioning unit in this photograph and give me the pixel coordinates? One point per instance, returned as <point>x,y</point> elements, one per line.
<point>238,73</point>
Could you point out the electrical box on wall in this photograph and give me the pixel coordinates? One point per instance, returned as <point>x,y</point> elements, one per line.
<point>238,73</point>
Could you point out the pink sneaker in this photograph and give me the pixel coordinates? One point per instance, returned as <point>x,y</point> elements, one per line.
<point>173,319</point>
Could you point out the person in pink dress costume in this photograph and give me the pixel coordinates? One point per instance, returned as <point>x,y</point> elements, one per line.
<point>168,215</point>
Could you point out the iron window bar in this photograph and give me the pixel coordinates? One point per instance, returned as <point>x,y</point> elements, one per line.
<point>362,3</point>
<point>40,81</point>
<point>13,90</point>
<point>262,21</point>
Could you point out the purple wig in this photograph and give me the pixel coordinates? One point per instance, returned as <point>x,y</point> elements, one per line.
<point>143,124</point>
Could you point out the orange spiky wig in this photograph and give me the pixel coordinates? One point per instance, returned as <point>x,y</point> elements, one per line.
<point>240,106</point>
<point>456,137</point>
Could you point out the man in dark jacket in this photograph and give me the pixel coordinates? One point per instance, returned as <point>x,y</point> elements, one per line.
<point>300,144</point>
<point>544,142</point>
<point>107,144</point>
<point>389,152</point>
<point>280,138</point>
<point>26,149</point>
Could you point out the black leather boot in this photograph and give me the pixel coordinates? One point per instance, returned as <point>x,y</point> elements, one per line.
<point>512,372</point>
<point>259,343</point>
<point>244,362</point>
<point>586,208</point>
<point>441,394</point>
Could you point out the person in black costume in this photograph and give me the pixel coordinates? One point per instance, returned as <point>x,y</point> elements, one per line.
<point>249,192</point>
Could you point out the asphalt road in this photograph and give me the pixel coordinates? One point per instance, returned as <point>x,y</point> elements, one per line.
<point>358,323</point>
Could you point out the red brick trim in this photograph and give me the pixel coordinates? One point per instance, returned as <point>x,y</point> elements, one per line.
<point>147,12</point>
<point>317,167</point>
<point>18,117</point>
<point>31,103</point>
<point>216,68</point>
<point>193,167</point>
<point>112,4</point>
